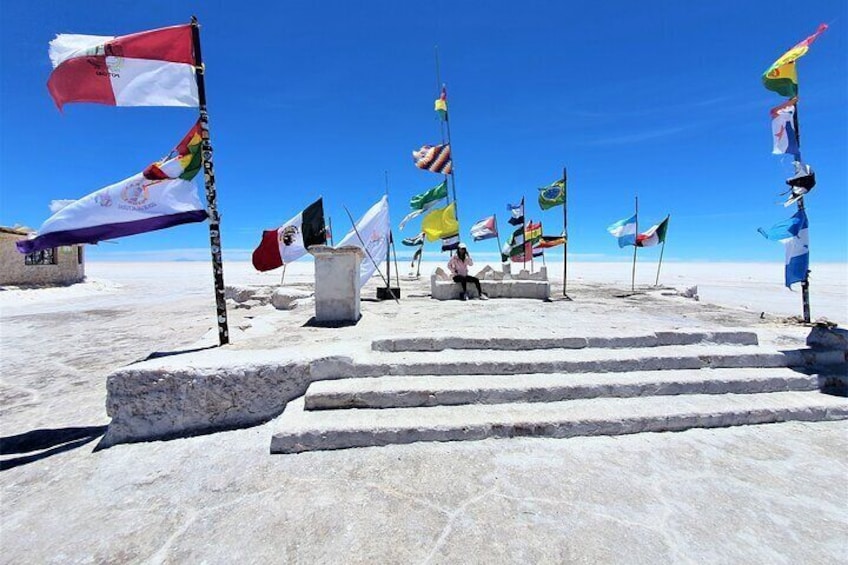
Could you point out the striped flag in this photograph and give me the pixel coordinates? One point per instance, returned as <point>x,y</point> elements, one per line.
<point>624,231</point>
<point>782,77</point>
<point>414,241</point>
<point>549,241</point>
<point>451,242</point>
<point>150,68</point>
<point>484,229</point>
<point>434,158</point>
<point>516,213</point>
<point>654,235</point>
<point>794,235</point>
<point>514,246</point>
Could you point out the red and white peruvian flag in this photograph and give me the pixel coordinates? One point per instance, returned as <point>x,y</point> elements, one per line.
<point>150,68</point>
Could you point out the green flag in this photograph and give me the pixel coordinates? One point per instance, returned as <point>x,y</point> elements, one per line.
<point>420,201</point>
<point>552,195</point>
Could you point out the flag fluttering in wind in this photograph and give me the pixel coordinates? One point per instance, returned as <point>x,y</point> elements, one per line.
<point>782,76</point>
<point>150,68</point>
<point>440,223</point>
<point>421,203</point>
<point>533,232</point>
<point>442,105</point>
<point>516,213</point>
<point>484,229</point>
<point>549,241</point>
<point>374,231</point>
<point>793,233</point>
<point>514,246</point>
<point>450,242</point>
<point>434,158</point>
<point>783,129</point>
<point>416,256</point>
<point>552,195</point>
<point>161,196</point>
<point>625,231</point>
<point>654,235</point>
<point>414,241</point>
<point>291,241</point>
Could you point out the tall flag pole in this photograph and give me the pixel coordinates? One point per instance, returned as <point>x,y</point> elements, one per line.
<point>497,232</point>
<point>782,77</point>
<point>445,121</point>
<point>565,233</point>
<point>659,265</point>
<point>635,247</point>
<point>211,196</point>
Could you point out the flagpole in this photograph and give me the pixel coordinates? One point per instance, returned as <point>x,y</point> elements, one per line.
<point>805,284</point>
<point>445,125</point>
<point>211,196</point>
<point>331,232</point>
<point>497,234</point>
<point>368,253</point>
<point>635,247</point>
<point>659,265</point>
<point>420,258</point>
<point>283,276</point>
<point>565,232</point>
<point>524,232</point>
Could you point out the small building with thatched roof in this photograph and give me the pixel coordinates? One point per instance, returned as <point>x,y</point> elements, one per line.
<point>57,265</point>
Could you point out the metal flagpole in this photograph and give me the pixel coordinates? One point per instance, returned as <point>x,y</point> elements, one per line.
<point>497,233</point>
<point>211,196</point>
<point>635,247</point>
<point>523,233</point>
<point>283,276</point>
<point>330,221</point>
<point>805,284</point>
<point>659,265</point>
<point>565,232</point>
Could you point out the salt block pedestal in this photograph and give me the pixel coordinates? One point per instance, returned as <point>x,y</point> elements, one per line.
<point>336,284</point>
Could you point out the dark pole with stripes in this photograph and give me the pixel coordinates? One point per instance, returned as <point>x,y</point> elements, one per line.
<point>211,196</point>
<point>565,233</point>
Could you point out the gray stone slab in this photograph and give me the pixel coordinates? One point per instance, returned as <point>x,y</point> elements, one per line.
<point>405,392</point>
<point>667,338</point>
<point>302,430</point>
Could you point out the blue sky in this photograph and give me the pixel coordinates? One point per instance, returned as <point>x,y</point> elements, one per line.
<point>658,98</point>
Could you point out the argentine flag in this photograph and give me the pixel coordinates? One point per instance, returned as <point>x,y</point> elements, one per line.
<point>624,231</point>
<point>793,234</point>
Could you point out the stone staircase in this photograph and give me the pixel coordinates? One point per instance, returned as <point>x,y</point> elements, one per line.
<point>455,388</point>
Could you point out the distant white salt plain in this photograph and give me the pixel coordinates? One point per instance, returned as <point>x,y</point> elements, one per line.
<point>756,287</point>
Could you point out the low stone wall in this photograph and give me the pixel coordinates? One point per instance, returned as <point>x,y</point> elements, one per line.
<point>494,284</point>
<point>155,400</point>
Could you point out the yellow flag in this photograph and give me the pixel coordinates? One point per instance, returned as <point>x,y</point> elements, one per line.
<point>440,223</point>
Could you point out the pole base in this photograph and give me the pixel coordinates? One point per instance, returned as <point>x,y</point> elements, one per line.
<point>386,293</point>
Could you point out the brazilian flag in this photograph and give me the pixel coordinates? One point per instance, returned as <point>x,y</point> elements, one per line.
<point>552,195</point>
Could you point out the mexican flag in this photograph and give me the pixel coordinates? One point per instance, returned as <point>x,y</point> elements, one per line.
<point>653,236</point>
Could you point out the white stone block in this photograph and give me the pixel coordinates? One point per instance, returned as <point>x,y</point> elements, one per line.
<point>337,283</point>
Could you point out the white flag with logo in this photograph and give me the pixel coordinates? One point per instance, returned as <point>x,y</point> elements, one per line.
<point>373,236</point>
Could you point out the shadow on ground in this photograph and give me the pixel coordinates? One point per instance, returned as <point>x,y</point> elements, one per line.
<point>46,442</point>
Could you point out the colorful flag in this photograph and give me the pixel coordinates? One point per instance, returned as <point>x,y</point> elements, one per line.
<point>442,105</point>
<point>374,233</point>
<point>421,203</point>
<point>161,196</point>
<point>552,195</point>
<point>793,233</point>
<point>434,158</point>
<point>782,77</point>
<point>450,242</point>
<point>533,232</point>
<point>538,252</point>
<point>624,231</point>
<point>484,229</point>
<point>654,235</point>
<point>414,241</point>
<point>514,245</point>
<point>291,241</point>
<point>440,222</point>
<point>516,213</point>
<point>549,241</point>
<point>150,68</point>
<point>783,129</point>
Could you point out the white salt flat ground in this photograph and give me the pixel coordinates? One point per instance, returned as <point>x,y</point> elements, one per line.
<point>761,493</point>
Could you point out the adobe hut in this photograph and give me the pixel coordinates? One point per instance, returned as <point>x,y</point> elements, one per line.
<point>55,266</point>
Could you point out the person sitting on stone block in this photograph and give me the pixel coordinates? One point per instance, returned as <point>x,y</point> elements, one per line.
<point>458,266</point>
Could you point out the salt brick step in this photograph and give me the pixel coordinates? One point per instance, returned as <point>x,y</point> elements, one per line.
<point>407,392</point>
<point>474,362</point>
<point>339,429</point>
<point>656,339</point>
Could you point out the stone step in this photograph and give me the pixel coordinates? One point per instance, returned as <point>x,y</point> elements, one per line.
<point>473,362</point>
<point>303,430</point>
<point>414,391</point>
<point>656,339</point>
